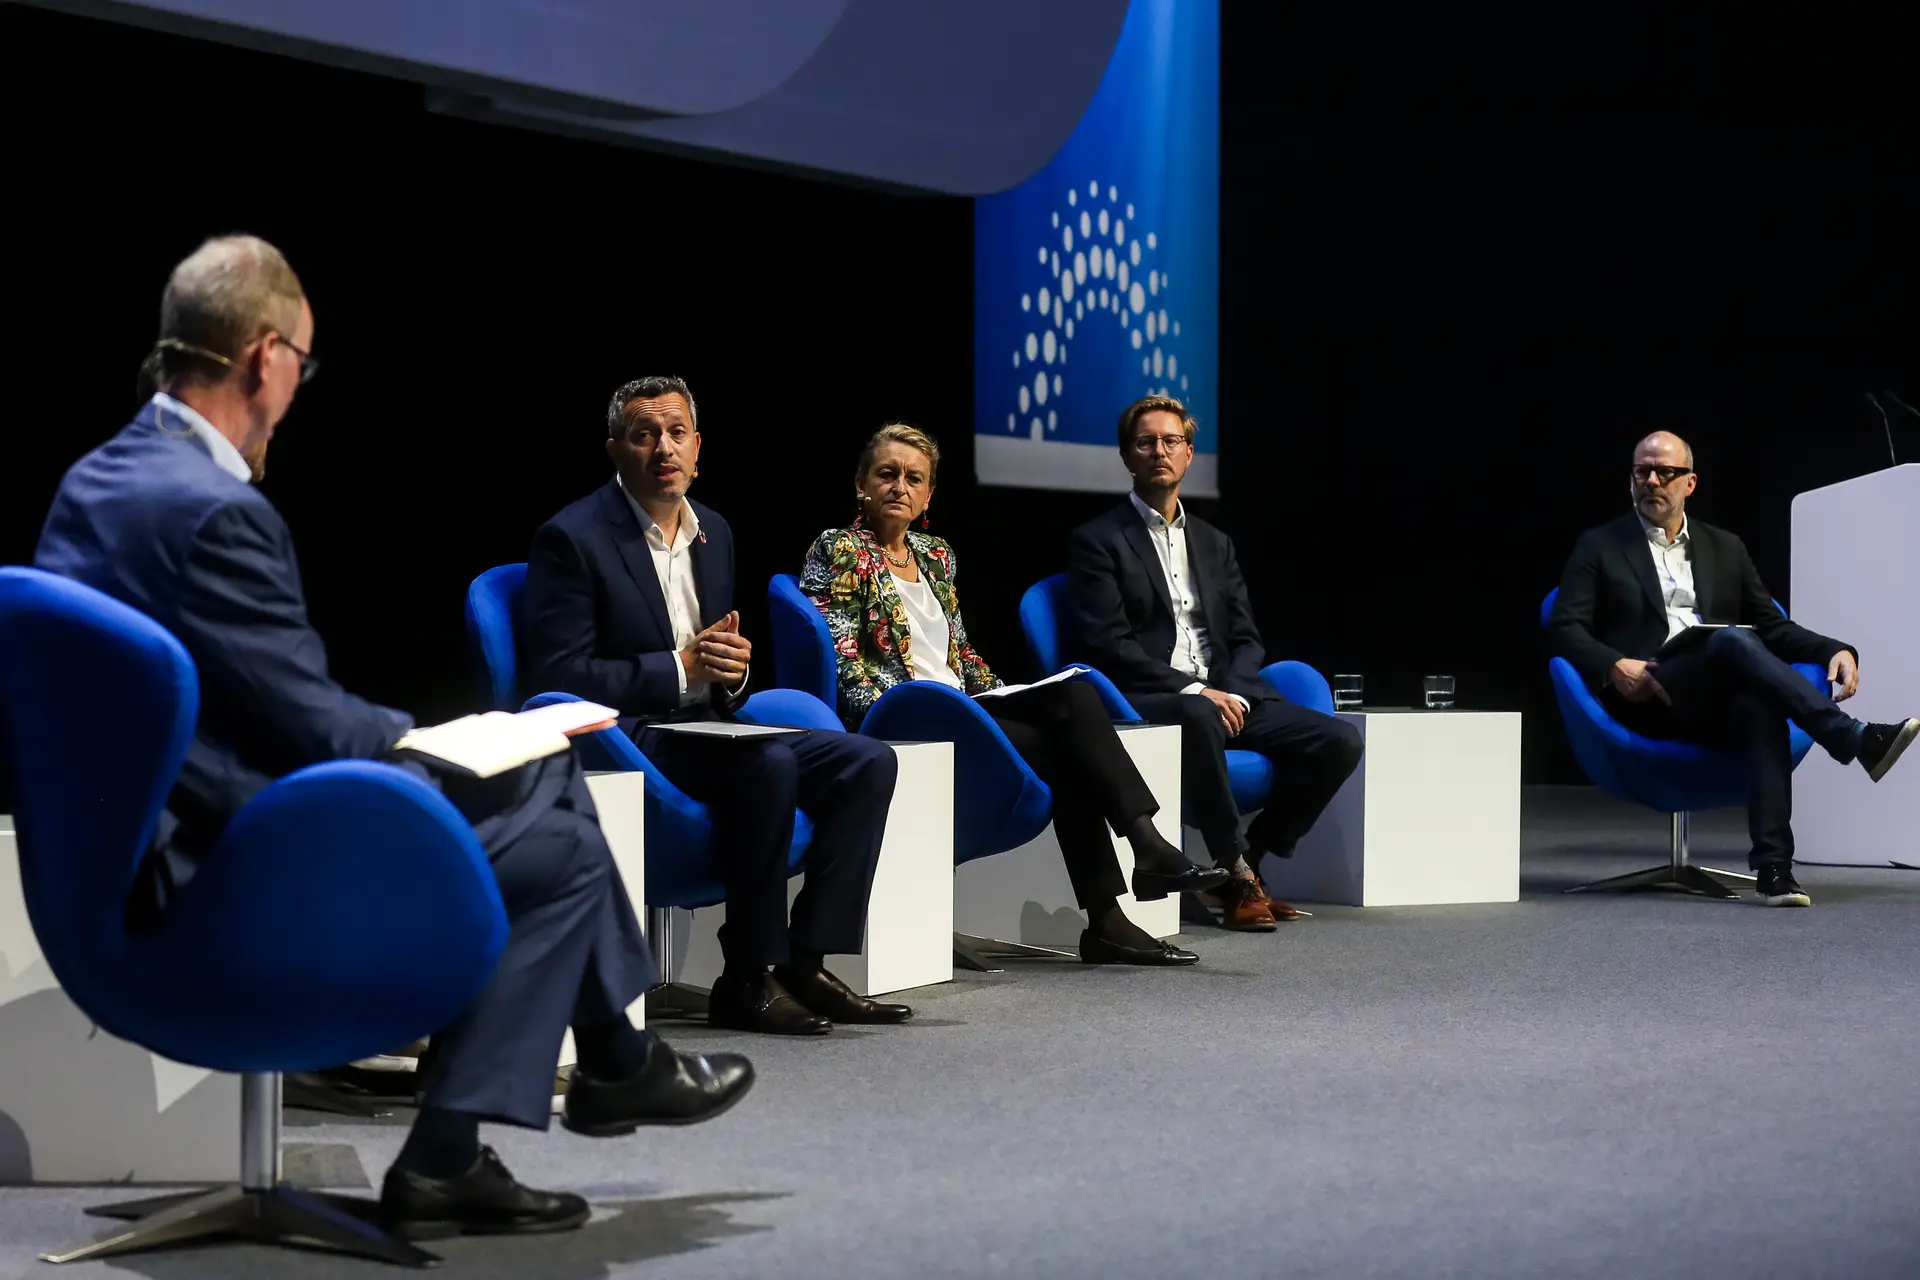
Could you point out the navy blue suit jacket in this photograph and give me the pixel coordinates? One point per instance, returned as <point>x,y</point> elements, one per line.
<point>596,620</point>
<point>1122,612</point>
<point>149,519</point>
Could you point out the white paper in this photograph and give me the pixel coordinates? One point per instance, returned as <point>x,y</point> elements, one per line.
<point>492,743</point>
<point>1005,689</point>
<point>726,728</point>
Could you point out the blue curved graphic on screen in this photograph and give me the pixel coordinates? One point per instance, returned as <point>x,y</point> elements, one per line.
<point>1096,281</point>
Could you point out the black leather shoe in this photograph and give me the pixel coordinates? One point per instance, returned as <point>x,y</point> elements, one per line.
<point>1095,949</point>
<point>673,1088</point>
<point>1150,886</point>
<point>824,994</point>
<point>485,1200</point>
<point>762,1006</point>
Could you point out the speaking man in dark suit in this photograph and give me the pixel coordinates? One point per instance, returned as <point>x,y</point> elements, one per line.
<point>630,604</point>
<point>1159,606</point>
<point>1632,588</point>
<point>164,518</point>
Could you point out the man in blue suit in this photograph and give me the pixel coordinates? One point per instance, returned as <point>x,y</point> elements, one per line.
<point>164,518</point>
<point>630,604</point>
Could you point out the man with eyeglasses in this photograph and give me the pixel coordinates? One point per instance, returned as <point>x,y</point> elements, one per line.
<point>1632,596</point>
<point>1159,606</point>
<point>163,517</point>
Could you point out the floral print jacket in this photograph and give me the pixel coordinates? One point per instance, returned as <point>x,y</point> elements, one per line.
<point>848,578</point>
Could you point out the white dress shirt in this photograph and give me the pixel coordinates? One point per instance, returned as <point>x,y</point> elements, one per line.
<point>1673,566</point>
<point>927,626</point>
<point>171,416</point>
<point>1192,647</point>
<point>673,565</point>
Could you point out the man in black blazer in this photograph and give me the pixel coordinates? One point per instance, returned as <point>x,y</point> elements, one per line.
<point>630,604</point>
<point>1159,606</point>
<point>164,518</point>
<point>1640,581</point>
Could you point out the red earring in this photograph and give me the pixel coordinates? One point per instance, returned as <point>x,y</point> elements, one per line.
<point>926,518</point>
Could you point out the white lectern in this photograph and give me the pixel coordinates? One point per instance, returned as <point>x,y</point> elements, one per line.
<point>1856,577</point>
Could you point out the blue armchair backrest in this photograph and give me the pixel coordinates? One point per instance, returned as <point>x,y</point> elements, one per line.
<point>1042,610</point>
<point>493,632</point>
<point>802,646</point>
<point>93,756</point>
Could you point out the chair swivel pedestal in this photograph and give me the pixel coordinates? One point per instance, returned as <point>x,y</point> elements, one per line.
<point>672,998</point>
<point>260,1207</point>
<point>1678,873</point>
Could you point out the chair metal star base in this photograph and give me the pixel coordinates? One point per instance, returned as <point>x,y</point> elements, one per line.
<point>260,1208</point>
<point>972,952</point>
<point>1678,873</point>
<point>672,998</point>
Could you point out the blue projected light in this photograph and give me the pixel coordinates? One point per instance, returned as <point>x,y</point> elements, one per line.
<point>1096,281</point>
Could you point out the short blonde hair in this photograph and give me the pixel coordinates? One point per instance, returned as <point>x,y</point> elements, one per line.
<point>1131,415</point>
<point>900,433</point>
<point>229,292</point>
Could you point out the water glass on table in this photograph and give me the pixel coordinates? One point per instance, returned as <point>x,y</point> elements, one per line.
<point>1346,693</point>
<point>1439,693</point>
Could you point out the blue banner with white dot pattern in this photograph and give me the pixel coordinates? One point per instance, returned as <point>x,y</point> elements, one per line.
<point>1096,281</point>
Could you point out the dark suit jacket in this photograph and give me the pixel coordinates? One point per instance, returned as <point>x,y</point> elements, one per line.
<point>1122,614</point>
<point>149,519</point>
<point>597,624</point>
<point>1610,605</point>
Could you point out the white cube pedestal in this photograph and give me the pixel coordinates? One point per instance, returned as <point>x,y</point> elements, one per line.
<point>1432,815</point>
<point>1855,578</point>
<point>620,799</point>
<point>909,939</point>
<point>78,1105</point>
<point>1023,895</point>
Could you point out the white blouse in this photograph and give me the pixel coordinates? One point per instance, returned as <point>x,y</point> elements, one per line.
<point>927,625</point>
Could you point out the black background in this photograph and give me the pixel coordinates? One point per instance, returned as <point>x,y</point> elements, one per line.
<point>1467,258</point>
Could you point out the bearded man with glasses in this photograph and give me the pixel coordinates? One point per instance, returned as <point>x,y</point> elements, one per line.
<point>1635,605</point>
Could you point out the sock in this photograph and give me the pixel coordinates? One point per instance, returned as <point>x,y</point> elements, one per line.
<point>803,961</point>
<point>1110,922</point>
<point>612,1050</point>
<point>441,1144</point>
<point>1151,850</point>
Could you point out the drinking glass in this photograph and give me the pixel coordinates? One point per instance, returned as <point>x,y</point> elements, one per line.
<point>1346,693</point>
<point>1439,693</point>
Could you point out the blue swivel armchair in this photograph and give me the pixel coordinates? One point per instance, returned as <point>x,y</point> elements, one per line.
<point>1043,614</point>
<point>681,871</point>
<point>275,956</point>
<point>1676,778</point>
<point>1005,802</point>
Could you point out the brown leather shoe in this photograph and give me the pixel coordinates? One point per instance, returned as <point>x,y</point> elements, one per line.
<point>1276,909</point>
<point>1243,909</point>
<point>818,991</point>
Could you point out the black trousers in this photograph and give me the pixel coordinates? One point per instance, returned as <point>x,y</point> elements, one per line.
<point>1734,693</point>
<point>843,781</point>
<point>1063,732</point>
<point>1312,755</point>
<point>575,953</point>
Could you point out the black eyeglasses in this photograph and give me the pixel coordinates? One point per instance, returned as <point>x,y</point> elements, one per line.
<point>1667,474</point>
<point>308,365</point>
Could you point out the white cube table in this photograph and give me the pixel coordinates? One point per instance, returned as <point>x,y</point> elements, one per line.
<point>78,1105</point>
<point>1431,816</point>
<point>1024,895</point>
<point>909,940</point>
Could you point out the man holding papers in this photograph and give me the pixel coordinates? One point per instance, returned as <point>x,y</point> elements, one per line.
<point>164,518</point>
<point>630,604</point>
<point>1629,618</point>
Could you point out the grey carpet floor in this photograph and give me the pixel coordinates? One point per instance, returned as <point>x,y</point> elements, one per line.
<point>1626,1086</point>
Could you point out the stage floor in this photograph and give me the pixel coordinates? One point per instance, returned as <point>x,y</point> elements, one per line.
<point>1571,1086</point>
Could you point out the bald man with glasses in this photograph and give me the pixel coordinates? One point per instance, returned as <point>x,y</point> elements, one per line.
<point>1633,594</point>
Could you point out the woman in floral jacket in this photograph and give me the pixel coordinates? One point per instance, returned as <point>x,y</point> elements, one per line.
<point>888,596</point>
